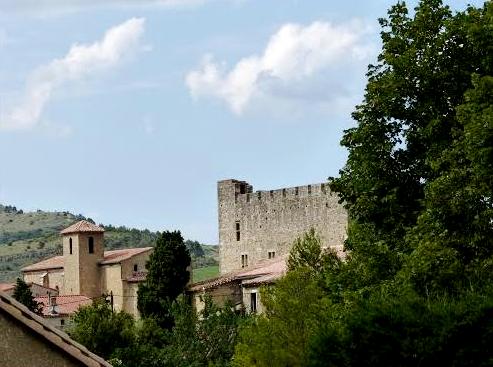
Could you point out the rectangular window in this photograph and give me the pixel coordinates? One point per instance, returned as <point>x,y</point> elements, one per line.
<point>135,267</point>
<point>244,261</point>
<point>238,236</point>
<point>272,254</point>
<point>91,245</point>
<point>253,302</point>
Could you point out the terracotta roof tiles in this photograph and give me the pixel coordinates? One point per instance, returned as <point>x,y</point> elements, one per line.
<point>55,262</point>
<point>116,256</point>
<point>110,257</point>
<point>82,226</point>
<point>275,268</point>
<point>66,305</point>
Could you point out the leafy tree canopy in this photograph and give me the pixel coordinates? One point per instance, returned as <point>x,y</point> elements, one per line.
<point>168,274</point>
<point>23,294</point>
<point>101,330</point>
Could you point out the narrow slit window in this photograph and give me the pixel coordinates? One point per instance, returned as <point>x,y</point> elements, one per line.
<point>70,245</point>
<point>91,245</point>
<point>271,254</point>
<point>237,227</point>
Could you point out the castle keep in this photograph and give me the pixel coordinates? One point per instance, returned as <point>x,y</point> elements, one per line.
<point>262,225</point>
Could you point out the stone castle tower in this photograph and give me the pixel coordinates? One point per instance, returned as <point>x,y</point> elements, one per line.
<point>83,250</point>
<point>255,226</point>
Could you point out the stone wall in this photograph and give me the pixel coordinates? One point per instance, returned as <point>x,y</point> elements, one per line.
<point>230,292</point>
<point>52,278</point>
<point>82,271</point>
<point>254,226</point>
<point>20,347</point>
<point>112,282</point>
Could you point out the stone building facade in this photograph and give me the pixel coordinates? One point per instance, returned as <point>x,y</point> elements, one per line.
<point>28,340</point>
<point>86,269</point>
<point>261,225</point>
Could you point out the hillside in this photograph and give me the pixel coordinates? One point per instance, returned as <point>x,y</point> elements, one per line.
<point>28,237</point>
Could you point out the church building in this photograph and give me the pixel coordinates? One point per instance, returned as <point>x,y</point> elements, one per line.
<point>86,269</point>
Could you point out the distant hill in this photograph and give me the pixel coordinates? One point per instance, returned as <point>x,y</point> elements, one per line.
<point>28,237</point>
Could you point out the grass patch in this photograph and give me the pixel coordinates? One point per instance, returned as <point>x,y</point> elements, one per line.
<point>205,273</point>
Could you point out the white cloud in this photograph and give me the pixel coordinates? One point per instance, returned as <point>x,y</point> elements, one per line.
<point>81,62</point>
<point>299,63</point>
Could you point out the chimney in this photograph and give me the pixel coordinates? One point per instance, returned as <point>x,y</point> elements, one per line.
<point>53,307</point>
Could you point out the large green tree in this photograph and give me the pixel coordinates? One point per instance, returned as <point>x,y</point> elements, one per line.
<point>101,330</point>
<point>168,274</point>
<point>415,288</point>
<point>23,294</point>
<point>400,152</point>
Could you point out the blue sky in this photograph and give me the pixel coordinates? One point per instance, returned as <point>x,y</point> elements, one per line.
<point>130,111</point>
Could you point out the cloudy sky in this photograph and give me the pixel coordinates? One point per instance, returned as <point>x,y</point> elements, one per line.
<point>130,111</point>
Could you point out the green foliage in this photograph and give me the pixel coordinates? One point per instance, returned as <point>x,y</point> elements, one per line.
<point>101,330</point>
<point>198,340</point>
<point>166,278</point>
<point>23,294</point>
<point>206,339</point>
<point>409,330</point>
<point>294,309</point>
<point>408,124</point>
<point>195,248</point>
<point>306,252</point>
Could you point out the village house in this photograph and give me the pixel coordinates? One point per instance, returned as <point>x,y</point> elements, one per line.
<point>28,340</point>
<point>86,272</point>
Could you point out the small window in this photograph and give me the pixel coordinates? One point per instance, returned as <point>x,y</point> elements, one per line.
<point>70,245</point>
<point>309,189</point>
<point>135,267</point>
<point>272,254</point>
<point>91,245</point>
<point>244,261</point>
<point>62,322</point>
<point>253,302</point>
<point>237,226</point>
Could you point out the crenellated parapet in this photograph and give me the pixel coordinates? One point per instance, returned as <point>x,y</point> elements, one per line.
<point>255,226</point>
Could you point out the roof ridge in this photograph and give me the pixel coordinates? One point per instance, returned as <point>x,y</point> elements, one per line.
<point>52,335</point>
<point>82,226</point>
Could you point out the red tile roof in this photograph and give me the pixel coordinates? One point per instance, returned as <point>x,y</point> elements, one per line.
<point>83,226</point>
<point>116,256</point>
<point>110,257</point>
<point>273,268</point>
<point>67,305</point>
<point>55,262</point>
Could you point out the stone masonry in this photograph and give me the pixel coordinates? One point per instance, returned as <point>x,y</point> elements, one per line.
<point>255,226</point>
